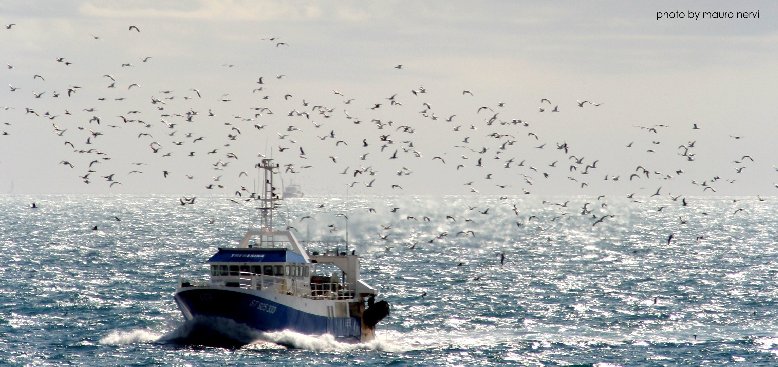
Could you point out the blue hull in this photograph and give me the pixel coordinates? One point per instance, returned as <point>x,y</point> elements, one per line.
<point>262,314</point>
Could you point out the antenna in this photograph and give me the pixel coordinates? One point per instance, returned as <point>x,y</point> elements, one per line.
<point>269,196</point>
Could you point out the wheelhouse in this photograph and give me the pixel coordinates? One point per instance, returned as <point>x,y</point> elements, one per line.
<point>233,262</point>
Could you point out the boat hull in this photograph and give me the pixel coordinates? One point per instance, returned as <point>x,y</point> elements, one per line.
<point>269,312</point>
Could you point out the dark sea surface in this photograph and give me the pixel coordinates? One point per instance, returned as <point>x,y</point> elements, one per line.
<point>569,293</point>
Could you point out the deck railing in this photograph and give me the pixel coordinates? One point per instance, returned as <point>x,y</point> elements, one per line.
<point>298,287</point>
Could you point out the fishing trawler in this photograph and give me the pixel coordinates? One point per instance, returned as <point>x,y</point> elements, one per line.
<point>269,283</point>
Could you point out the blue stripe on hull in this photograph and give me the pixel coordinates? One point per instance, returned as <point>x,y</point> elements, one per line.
<point>262,314</point>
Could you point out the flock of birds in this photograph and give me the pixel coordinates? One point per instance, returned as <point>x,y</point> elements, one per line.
<point>206,140</point>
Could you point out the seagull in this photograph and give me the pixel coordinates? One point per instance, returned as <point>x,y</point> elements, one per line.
<point>582,103</point>
<point>135,28</point>
<point>599,220</point>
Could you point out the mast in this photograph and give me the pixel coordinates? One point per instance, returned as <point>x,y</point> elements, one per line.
<point>269,196</point>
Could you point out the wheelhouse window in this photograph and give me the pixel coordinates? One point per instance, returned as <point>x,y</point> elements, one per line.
<point>233,270</point>
<point>268,270</point>
<point>256,269</point>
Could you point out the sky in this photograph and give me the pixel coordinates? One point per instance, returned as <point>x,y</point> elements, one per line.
<point>389,97</point>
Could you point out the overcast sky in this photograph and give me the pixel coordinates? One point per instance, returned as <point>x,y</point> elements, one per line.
<point>187,84</point>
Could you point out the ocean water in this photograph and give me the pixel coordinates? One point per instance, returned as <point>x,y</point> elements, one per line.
<point>569,292</point>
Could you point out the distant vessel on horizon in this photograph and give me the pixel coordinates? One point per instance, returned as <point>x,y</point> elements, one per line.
<point>293,191</point>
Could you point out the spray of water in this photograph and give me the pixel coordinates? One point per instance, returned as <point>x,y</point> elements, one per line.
<point>120,337</point>
<point>220,332</point>
<point>323,343</point>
